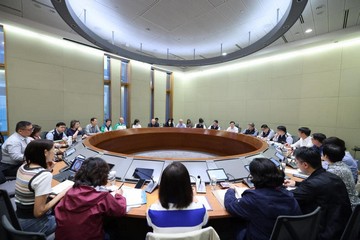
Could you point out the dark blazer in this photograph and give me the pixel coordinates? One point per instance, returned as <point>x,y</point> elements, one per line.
<point>259,208</point>
<point>328,191</point>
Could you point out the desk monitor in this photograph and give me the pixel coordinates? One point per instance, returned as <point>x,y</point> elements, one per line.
<point>122,164</point>
<point>269,152</point>
<point>219,174</point>
<point>235,168</point>
<point>197,168</point>
<point>82,151</point>
<point>157,166</point>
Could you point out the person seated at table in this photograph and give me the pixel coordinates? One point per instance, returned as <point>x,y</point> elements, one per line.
<point>35,135</point>
<point>232,128</point>
<point>347,159</point>
<point>200,124</point>
<point>259,208</point>
<point>305,139</point>
<point>13,149</point>
<point>136,124</point>
<point>81,213</point>
<point>282,136</point>
<point>176,212</point>
<point>106,127</point>
<point>75,130</point>
<point>33,186</point>
<point>317,141</point>
<point>189,124</point>
<point>58,133</point>
<point>266,133</point>
<point>251,130</point>
<point>181,124</point>
<point>121,124</point>
<point>215,125</point>
<point>322,189</point>
<point>153,123</point>
<point>92,128</point>
<point>169,123</point>
<point>334,154</point>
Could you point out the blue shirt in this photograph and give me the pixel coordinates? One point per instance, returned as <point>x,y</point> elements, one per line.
<point>260,209</point>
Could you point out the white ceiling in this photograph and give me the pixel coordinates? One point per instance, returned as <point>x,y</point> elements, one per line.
<point>154,26</point>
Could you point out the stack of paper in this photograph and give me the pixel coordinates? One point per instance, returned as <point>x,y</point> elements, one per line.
<point>220,194</point>
<point>61,186</point>
<point>204,201</point>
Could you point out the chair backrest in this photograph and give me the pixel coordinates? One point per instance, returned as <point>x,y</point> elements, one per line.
<point>297,227</point>
<point>43,134</point>
<point>203,234</point>
<point>19,235</point>
<point>352,229</point>
<point>7,209</point>
<point>295,139</point>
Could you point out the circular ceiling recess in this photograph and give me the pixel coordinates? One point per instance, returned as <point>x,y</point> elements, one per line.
<point>181,33</point>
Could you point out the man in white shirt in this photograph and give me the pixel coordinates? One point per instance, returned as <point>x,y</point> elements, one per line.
<point>181,124</point>
<point>92,128</point>
<point>14,147</point>
<point>232,128</point>
<point>305,138</point>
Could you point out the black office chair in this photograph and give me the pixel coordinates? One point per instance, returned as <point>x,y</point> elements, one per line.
<point>7,209</point>
<point>14,234</point>
<point>297,227</point>
<point>295,139</point>
<point>352,229</point>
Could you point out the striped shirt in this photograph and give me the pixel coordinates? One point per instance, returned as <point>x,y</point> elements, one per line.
<point>25,198</point>
<point>175,220</point>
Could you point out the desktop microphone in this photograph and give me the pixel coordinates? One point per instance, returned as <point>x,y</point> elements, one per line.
<point>200,186</point>
<point>152,185</point>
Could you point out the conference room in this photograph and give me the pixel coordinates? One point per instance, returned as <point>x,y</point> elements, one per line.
<point>290,63</point>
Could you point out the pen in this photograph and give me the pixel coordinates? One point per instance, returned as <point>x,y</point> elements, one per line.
<point>121,185</point>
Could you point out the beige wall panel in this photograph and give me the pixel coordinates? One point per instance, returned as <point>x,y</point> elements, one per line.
<point>81,82</point>
<point>285,88</point>
<point>287,67</point>
<point>318,112</point>
<point>258,88</point>
<point>178,97</point>
<point>115,75</point>
<point>350,82</point>
<point>350,57</point>
<point>32,48</point>
<point>351,138</point>
<point>257,111</point>
<point>88,59</point>
<point>74,107</point>
<point>349,112</point>
<point>34,105</point>
<point>322,61</point>
<point>320,84</point>
<point>29,74</point>
<point>285,112</point>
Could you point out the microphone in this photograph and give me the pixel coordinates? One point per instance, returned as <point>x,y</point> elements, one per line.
<point>152,185</point>
<point>200,186</point>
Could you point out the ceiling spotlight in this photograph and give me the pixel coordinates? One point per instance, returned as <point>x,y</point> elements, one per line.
<point>308,30</point>
<point>224,54</point>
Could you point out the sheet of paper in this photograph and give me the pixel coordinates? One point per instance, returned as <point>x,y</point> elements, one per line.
<point>61,186</point>
<point>204,201</point>
<point>134,196</point>
<point>220,194</point>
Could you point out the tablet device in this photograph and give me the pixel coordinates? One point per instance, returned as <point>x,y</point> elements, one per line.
<point>218,173</point>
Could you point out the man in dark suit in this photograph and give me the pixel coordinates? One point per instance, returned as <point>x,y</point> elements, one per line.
<point>322,189</point>
<point>153,123</point>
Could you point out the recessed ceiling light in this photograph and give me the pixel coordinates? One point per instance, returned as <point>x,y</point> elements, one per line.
<point>308,30</point>
<point>224,54</point>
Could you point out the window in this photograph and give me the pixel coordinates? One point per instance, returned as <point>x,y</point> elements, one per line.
<point>107,88</point>
<point>124,108</point>
<point>3,102</point>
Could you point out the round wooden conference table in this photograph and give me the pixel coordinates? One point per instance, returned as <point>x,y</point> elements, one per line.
<point>223,145</point>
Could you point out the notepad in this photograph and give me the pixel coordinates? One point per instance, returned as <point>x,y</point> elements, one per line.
<point>134,197</point>
<point>204,201</point>
<point>220,194</point>
<point>61,186</point>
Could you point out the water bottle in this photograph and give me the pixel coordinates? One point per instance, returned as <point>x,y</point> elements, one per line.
<point>112,178</point>
<point>69,141</point>
<point>213,182</point>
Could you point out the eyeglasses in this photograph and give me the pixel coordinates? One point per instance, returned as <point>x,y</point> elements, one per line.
<point>250,177</point>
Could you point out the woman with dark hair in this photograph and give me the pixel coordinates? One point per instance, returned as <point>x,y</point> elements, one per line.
<point>35,134</point>
<point>169,123</point>
<point>33,186</point>
<point>136,124</point>
<point>176,212</point>
<point>259,208</point>
<point>81,213</point>
<point>75,130</point>
<point>189,123</point>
